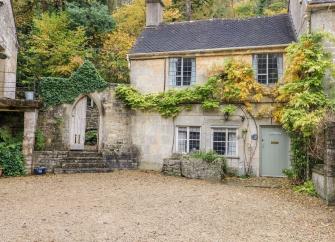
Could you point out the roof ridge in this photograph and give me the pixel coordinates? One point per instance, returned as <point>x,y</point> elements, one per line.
<point>218,19</point>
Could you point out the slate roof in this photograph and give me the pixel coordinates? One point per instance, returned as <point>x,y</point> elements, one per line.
<point>215,34</point>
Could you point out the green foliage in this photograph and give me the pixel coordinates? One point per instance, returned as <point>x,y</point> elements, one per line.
<point>213,158</point>
<point>112,58</point>
<point>91,137</point>
<point>303,88</point>
<point>307,188</point>
<point>290,174</point>
<point>245,9</point>
<point>228,109</point>
<point>95,18</point>
<point>209,156</point>
<point>54,49</point>
<point>307,103</point>
<point>168,104</point>
<point>85,80</point>
<point>11,158</point>
<point>233,82</point>
<point>39,140</point>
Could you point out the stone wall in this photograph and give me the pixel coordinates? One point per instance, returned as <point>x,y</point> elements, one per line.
<point>51,123</point>
<point>324,175</point>
<point>49,159</point>
<point>193,168</point>
<point>110,115</point>
<point>155,136</point>
<point>150,75</point>
<point>92,116</point>
<point>30,123</point>
<point>9,47</point>
<point>56,159</point>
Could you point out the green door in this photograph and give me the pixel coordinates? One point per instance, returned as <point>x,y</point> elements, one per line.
<point>274,151</point>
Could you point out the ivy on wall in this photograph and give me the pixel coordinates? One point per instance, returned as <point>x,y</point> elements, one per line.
<point>231,83</point>
<point>300,104</point>
<point>54,91</point>
<point>304,116</point>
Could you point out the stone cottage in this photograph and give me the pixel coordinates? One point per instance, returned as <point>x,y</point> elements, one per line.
<point>23,113</point>
<point>179,55</point>
<point>173,56</point>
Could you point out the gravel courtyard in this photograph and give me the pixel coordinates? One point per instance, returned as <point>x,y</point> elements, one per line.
<point>139,206</point>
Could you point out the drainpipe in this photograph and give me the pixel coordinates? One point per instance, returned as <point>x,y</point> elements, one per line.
<point>309,21</point>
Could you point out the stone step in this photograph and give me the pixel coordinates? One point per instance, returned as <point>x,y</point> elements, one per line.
<point>81,170</point>
<point>85,165</point>
<point>83,160</point>
<point>84,154</point>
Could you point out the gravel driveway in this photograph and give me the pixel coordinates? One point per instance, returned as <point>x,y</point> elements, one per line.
<point>138,206</point>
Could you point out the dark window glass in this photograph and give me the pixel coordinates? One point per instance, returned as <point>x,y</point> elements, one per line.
<point>269,67</point>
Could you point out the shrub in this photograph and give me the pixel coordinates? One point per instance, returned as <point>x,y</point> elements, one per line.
<point>205,156</point>
<point>306,188</point>
<point>11,159</point>
<point>211,157</point>
<point>91,137</point>
<point>39,140</point>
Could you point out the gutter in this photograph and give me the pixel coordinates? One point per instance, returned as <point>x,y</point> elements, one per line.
<point>201,51</point>
<point>311,6</point>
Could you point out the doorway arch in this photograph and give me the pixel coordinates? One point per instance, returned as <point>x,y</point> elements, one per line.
<point>85,124</point>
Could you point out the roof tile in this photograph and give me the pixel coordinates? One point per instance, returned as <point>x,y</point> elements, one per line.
<point>215,34</point>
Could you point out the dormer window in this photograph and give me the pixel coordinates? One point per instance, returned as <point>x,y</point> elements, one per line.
<point>181,71</point>
<point>268,68</point>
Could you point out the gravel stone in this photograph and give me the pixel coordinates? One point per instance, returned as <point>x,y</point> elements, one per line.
<point>144,206</point>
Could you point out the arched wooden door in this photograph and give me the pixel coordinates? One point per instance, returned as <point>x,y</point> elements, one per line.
<point>78,125</point>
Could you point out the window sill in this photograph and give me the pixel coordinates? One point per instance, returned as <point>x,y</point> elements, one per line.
<point>232,157</point>
<point>171,86</point>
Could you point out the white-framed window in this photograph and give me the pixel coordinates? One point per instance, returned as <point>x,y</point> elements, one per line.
<point>224,141</point>
<point>188,139</point>
<point>268,67</point>
<point>181,71</point>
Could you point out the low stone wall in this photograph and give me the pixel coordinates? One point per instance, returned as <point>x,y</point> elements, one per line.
<point>128,161</point>
<point>324,185</point>
<point>193,168</point>
<point>49,159</point>
<point>56,159</point>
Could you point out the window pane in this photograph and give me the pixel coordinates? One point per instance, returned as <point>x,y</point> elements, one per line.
<point>182,140</point>
<point>261,63</point>
<point>273,68</point>
<point>188,71</point>
<point>194,139</point>
<point>175,71</point>
<point>219,141</point>
<point>232,142</point>
<point>262,79</point>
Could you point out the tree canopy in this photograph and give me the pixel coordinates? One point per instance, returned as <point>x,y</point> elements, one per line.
<point>57,35</point>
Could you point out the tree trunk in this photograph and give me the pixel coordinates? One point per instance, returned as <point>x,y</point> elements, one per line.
<point>188,12</point>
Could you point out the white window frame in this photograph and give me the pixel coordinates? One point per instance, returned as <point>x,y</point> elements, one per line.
<point>187,138</point>
<point>279,68</point>
<point>193,72</point>
<point>226,128</point>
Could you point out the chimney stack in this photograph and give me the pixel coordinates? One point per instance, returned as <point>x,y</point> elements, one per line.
<point>154,12</point>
